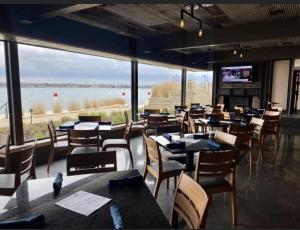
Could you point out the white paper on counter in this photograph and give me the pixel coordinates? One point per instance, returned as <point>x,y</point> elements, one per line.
<point>82,202</point>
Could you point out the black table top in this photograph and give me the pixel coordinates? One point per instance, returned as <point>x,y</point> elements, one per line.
<point>191,145</point>
<point>137,206</point>
<point>102,126</point>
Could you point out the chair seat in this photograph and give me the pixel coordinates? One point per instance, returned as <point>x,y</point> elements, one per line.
<point>166,155</point>
<point>137,127</point>
<point>61,144</point>
<point>215,185</point>
<point>169,166</point>
<point>80,150</point>
<point>7,181</point>
<point>114,142</point>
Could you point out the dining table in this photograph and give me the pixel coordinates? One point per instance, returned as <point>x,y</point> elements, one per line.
<point>79,125</point>
<point>192,145</point>
<point>224,124</point>
<point>137,207</point>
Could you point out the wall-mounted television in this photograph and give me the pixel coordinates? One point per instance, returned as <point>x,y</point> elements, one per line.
<point>240,74</point>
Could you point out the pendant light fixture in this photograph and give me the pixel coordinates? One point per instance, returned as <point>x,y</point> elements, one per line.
<point>189,11</point>
<point>235,50</point>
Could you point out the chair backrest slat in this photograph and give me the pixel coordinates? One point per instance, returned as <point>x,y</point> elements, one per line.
<point>87,162</point>
<point>190,202</point>
<point>24,162</point>
<point>217,163</point>
<point>4,146</point>
<point>89,118</point>
<point>85,138</point>
<point>244,133</point>
<point>153,152</point>
<point>225,138</point>
<point>52,132</point>
<point>168,129</point>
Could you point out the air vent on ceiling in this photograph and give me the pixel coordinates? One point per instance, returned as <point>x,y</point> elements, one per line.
<point>276,12</point>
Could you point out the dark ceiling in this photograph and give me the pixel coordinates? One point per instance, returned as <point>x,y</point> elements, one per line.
<point>152,30</point>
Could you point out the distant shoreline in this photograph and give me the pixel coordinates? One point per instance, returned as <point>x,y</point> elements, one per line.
<point>72,85</point>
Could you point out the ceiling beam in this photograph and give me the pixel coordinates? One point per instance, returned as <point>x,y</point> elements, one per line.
<point>228,35</point>
<point>68,10</point>
<point>258,54</point>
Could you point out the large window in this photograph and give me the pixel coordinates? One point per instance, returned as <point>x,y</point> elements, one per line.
<point>58,85</point>
<point>199,87</point>
<point>4,119</point>
<point>159,88</point>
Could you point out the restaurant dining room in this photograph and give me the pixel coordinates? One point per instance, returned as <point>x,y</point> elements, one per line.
<point>148,115</point>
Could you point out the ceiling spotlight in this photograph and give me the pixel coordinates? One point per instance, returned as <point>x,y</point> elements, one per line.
<point>241,54</point>
<point>181,20</point>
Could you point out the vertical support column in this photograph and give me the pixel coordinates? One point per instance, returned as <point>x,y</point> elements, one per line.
<point>215,85</point>
<point>183,87</point>
<point>14,92</point>
<point>134,90</point>
<point>290,99</point>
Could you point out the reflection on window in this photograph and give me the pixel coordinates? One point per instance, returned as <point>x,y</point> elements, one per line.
<point>59,86</point>
<point>4,118</point>
<point>159,88</point>
<point>199,87</point>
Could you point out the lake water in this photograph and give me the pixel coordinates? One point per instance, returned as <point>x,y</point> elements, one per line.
<point>31,96</point>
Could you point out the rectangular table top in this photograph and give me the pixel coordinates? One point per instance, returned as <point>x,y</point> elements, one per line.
<point>191,145</point>
<point>138,207</point>
<point>105,126</point>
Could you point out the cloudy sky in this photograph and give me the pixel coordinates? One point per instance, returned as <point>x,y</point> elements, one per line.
<point>41,65</point>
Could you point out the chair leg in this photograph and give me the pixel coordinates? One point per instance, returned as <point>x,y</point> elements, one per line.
<point>145,172</point>
<point>167,183</point>
<point>131,158</point>
<point>250,159</point>
<point>175,182</point>
<point>233,207</point>
<point>174,219</point>
<point>50,159</point>
<point>158,181</point>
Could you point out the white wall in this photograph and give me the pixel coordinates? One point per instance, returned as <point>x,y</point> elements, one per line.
<point>280,82</point>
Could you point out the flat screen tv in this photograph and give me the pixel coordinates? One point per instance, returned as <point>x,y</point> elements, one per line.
<point>240,74</point>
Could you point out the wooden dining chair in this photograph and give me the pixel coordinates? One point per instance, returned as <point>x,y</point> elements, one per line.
<point>196,113</point>
<point>183,121</point>
<point>152,111</point>
<point>271,127</point>
<point>212,170</point>
<point>55,144</point>
<point>225,138</point>
<point>190,203</point>
<point>22,162</point>
<point>121,143</point>
<point>192,126</point>
<point>85,163</point>
<point>157,167</point>
<point>166,155</point>
<point>4,151</point>
<point>83,141</point>
<point>244,134</point>
<point>257,134</point>
<point>89,118</point>
<point>154,121</point>
<point>134,127</point>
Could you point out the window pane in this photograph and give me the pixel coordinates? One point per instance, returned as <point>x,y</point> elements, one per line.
<point>199,87</point>
<point>159,88</point>
<point>4,121</point>
<point>58,85</point>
